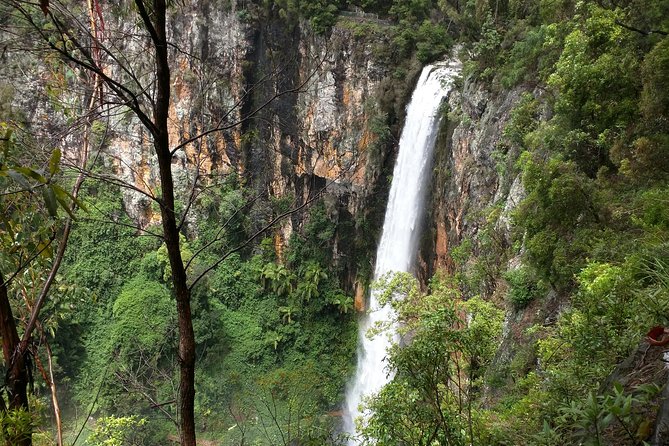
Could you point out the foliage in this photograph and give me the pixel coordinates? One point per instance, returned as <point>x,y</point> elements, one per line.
<point>555,216</point>
<point>432,397</point>
<point>586,421</point>
<point>287,403</point>
<point>144,317</point>
<point>523,287</point>
<point>654,98</point>
<point>117,431</point>
<point>15,425</point>
<point>322,14</point>
<point>28,226</point>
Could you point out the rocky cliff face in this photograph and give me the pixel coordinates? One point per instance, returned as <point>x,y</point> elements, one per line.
<point>476,188</point>
<point>294,113</point>
<point>475,184</point>
<point>293,110</point>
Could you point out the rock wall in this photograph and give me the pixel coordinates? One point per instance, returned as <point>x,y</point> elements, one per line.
<point>297,111</point>
<point>475,185</point>
<point>292,108</point>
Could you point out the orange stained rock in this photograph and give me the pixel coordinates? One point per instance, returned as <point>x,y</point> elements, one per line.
<point>359,302</point>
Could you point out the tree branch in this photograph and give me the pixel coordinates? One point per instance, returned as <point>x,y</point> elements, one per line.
<point>641,31</point>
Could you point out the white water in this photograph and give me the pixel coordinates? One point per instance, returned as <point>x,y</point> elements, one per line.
<point>397,248</point>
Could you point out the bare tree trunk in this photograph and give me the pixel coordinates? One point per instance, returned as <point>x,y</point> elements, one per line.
<point>54,395</point>
<point>171,231</point>
<point>51,382</point>
<point>17,376</point>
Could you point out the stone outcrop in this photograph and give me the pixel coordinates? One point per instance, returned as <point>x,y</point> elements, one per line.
<point>475,185</point>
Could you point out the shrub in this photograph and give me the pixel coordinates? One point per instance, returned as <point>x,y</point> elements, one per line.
<point>524,287</point>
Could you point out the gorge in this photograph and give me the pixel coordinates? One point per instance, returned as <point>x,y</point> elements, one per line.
<point>535,231</point>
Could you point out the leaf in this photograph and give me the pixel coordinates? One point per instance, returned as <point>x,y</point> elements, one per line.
<point>54,162</point>
<point>44,247</point>
<point>16,176</point>
<point>50,201</point>
<point>66,206</point>
<point>7,139</point>
<point>7,225</point>
<point>608,419</point>
<point>60,192</point>
<point>31,174</point>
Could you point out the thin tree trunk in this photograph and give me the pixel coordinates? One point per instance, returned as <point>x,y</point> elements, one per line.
<point>171,232</point>
<point>51,382</point>
<point>54,394</point>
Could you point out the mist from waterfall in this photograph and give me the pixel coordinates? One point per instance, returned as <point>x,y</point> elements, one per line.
<point>397,249</point>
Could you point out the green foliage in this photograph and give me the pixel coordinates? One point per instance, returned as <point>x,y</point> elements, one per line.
<point>524,287</point>
<point>144,318</point>
<point>15,425</point>
<point>117,431</point>
<point>555,216</point>
<point>655,96</point>
<point>276,335</point>
<point>432,395</point>
<point>488,45</point>
<point>287,403</point>
<point>531,56</point>
<point>602,313</point>
<point>322,14</point>
<point>315,241</point>
<point>585,421</point>
<point>416,31</point>
<point>30,201</point>
<point>523,120</point>
<point>598,88</point>
<point>432,41</point>
<point>104,248</point>
<point>164,261</point>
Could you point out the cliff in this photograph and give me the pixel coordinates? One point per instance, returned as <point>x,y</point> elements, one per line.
<point>300,113</point>
<point>543,214</point>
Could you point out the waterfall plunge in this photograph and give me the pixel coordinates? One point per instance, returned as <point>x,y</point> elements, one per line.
<point>397,248</point>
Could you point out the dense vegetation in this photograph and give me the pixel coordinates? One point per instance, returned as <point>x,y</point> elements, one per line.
<point>589,139</point>
<point>276,332</point>
<point>276,338</point>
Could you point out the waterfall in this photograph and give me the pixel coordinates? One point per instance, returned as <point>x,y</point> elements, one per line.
<point>397,249</point>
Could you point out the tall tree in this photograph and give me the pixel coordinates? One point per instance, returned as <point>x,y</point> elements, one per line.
<point>127,85</point>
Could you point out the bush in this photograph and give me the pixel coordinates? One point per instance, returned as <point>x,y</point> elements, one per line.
<point>524,287</point>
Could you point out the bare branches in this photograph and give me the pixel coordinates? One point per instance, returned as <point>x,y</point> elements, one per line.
<point>63,39</point>
<point>147,22</point>
<point>222,127</point>
<point>257,234</point>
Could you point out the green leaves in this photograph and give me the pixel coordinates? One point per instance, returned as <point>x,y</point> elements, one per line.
<point>50,201</point>
<point>117,431</point>
<point>433,394</point>
<point>18,178</point>
<point>618,414</point>
<point>54,162</point>
<point>28,179</point>
<point>31,174</point>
